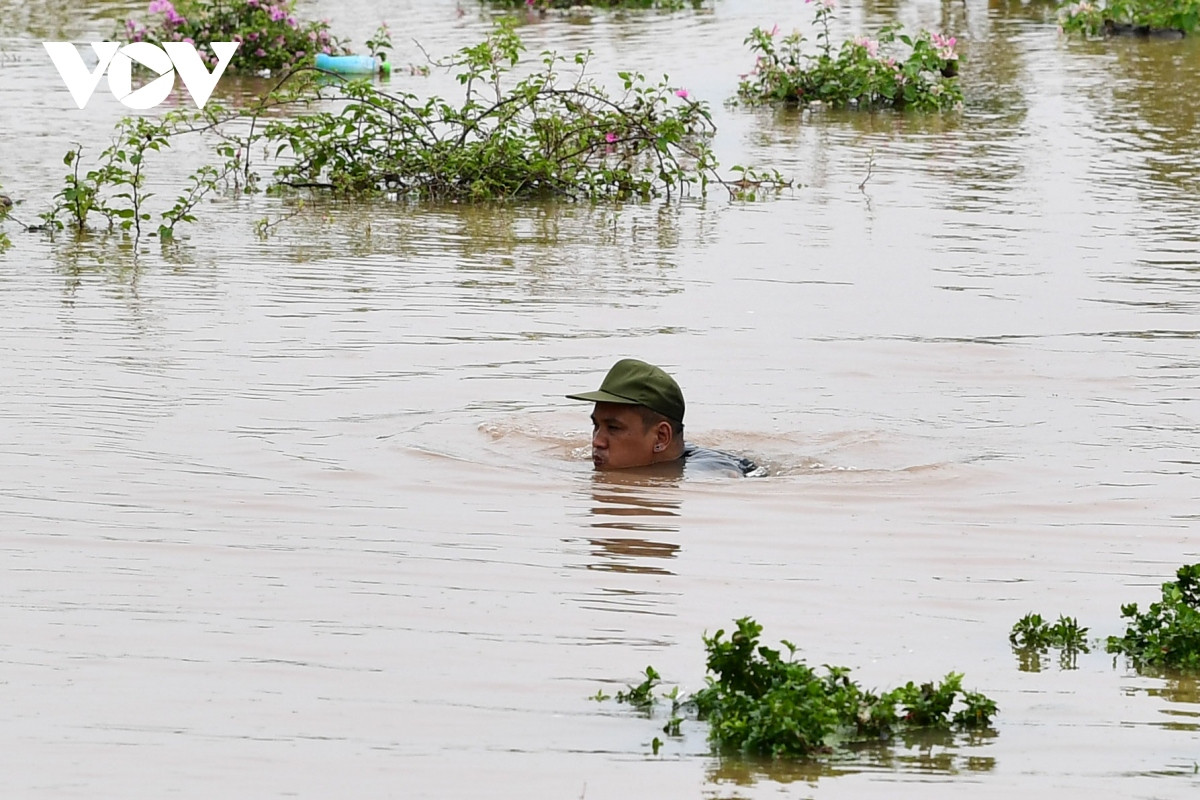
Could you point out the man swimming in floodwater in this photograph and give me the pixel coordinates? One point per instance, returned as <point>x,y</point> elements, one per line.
<point>638,422</point>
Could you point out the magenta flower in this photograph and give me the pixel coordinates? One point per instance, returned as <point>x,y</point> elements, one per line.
<point>682,93</point>
<point>610,137</point>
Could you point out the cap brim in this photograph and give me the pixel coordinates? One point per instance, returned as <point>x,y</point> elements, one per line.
<point>603,397</point>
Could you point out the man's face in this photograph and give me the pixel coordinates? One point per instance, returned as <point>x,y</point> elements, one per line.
<point>620,438</point>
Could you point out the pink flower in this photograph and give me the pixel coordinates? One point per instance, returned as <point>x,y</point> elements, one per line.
<point>774,32</point>
<point>682,93</point>
<point>945,46</point>
<point>870,45</point>
<point>276,13</point>
<point>608,137</point>
<point>260,52</point>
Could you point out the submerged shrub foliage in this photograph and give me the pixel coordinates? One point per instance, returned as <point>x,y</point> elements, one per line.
<point>556,133</point>
<point>553,133</point>
<point>758,701</point>
<point>1032,637</point>
<point>864,72</point>
<point>272,37</point>
<point>1167,634</point>
<point>114,188</point>
<point>1137,17</point>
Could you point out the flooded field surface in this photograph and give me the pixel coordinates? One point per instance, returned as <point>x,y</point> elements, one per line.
<point>310,515</point>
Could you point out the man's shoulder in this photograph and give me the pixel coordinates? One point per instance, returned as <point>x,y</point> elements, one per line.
<point>706,459</point>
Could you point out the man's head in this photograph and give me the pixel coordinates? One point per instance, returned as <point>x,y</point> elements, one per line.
<point>638,418</point>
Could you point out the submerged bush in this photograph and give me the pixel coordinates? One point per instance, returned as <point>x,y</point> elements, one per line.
<point>1032,637</point>
<point>555,133</point>
<point>272,37</point>
<point>757,701</point>
<point>1136,17</point>
<point>863,72</point>
<point>1167,634</point>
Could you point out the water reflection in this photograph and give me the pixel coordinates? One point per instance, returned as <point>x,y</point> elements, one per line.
<point>638,504</point>
<point>919,752</point>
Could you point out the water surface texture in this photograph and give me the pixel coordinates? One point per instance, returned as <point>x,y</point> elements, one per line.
<point>309,516</point>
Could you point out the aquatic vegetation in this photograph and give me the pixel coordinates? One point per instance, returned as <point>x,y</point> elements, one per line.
<point>272,37</point>
<point>1167,634</point>
<point>863,72</point>
<point>554,133</point>
<point>757,701</point>
<point>641,695</point>
<point>115,189</point>
<point>1158,18</point>
<point>1032,638</point>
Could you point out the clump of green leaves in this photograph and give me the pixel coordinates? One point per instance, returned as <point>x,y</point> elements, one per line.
<point>1167,634</point>
<point>1136,17</point>
<point>862,72</point>
<point>642,695</point>
<point>272,36</point>
<point>758,701</point>
<point>1032,637</point>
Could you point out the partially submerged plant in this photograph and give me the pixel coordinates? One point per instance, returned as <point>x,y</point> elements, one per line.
<point>555,133</point>
<point>641,695</point>
<point>757,701</point>
<point>1032,637</point>
<point>1167,634</point>
<point>1170,18</point>
<point>115,188</point>
<point>271,35</point>
<point>863,72</point>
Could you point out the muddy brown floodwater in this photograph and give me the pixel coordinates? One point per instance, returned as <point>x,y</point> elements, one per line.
<point>310,517</point>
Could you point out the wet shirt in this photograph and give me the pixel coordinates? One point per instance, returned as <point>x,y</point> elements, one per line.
<point>704,461</point>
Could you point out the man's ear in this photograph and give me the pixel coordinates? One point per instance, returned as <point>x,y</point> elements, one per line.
<point>662,435</point>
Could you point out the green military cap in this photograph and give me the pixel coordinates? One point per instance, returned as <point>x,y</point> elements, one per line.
<point>637,383</point>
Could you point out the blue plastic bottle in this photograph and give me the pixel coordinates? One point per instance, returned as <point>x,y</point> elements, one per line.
<point>352,65</point>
